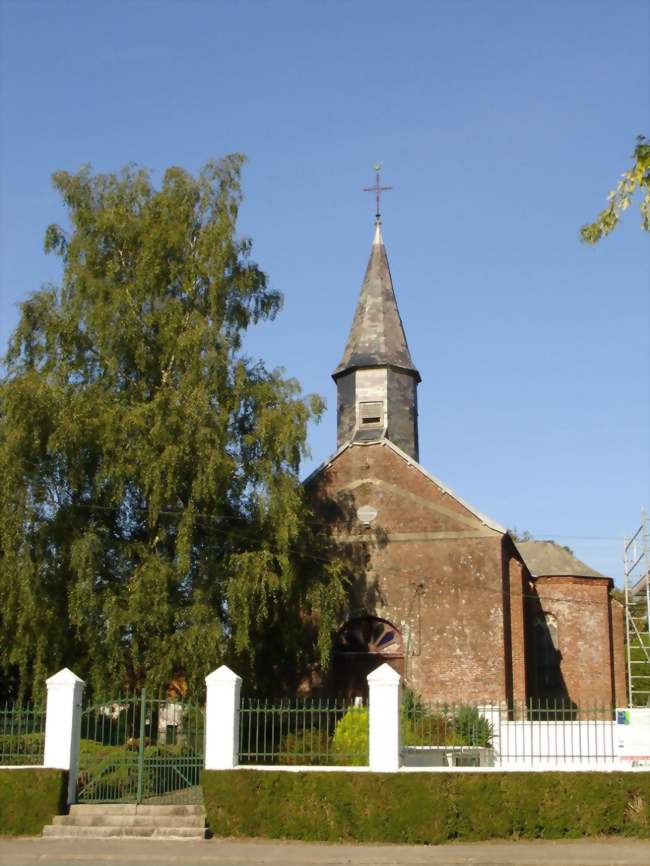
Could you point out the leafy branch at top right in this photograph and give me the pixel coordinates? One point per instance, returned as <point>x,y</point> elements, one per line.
<point>637,177</point>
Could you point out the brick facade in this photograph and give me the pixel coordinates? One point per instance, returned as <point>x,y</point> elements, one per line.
<point>581,607</point>
<point>430,566</point>
<point>518,588</point>
<point>618,651</point>
<point>455,587</point>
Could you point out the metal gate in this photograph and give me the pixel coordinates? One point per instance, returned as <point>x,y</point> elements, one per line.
<point>138,749</point>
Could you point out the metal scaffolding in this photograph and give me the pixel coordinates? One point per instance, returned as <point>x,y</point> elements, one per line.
<point>636,567</point>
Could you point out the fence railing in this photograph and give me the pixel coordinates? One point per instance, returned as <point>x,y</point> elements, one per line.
<point>303,731</point>
<point>136,748</point>
<point>521,734</point>
<point>22,735</point>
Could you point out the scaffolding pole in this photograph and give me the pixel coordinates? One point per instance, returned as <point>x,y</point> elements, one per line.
<point>636,569</point>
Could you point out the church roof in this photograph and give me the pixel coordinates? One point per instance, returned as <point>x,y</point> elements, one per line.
<point>377,336</point>
<point>546,558</point>
<point>485,520</point>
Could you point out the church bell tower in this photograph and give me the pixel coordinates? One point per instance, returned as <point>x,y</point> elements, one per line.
<point>376,379</point>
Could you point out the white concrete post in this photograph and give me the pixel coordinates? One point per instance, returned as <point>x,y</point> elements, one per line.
<point>385,731</point>
<point>63,725</point>
<point>222,719</point>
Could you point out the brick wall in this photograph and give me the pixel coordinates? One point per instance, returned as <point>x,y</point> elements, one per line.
<point>428,565</point>
<point>518,579</point>
<point>458,591</point>
<point>618,650</point>
<point>581,607</point>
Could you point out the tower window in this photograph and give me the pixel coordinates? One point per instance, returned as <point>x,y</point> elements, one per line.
<point>371,414</point>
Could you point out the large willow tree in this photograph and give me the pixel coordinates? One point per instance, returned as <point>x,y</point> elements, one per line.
<point>151,520</point>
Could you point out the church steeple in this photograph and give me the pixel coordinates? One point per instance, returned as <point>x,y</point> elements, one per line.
<point>377,335</point>
<point>376,378</point>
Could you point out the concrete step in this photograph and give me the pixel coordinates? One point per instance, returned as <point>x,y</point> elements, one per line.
<point>133,809</point>
<point>128,820</point>
<point>58,831</point>
<point>112,820</point>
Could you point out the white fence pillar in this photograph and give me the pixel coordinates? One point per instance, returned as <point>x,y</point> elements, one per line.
<point>63,725</point>
<point>385,735</point>
<point>222,719</point>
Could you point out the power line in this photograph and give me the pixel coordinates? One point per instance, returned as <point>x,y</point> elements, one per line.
<point>503,592</point>
<point>170,512</point>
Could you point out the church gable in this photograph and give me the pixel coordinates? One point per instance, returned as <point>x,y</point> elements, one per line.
<point>381,486</point>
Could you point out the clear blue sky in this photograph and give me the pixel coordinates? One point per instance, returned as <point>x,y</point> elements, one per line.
<point>502,126</point>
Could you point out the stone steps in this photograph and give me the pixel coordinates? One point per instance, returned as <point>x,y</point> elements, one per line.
<point>100,821</point>
<point>129,820</point>
<point>133,809</point>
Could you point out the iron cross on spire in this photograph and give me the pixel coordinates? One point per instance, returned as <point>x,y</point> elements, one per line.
<point>377,189</point>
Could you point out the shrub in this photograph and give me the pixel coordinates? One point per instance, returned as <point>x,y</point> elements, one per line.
<point>29,799</point>
<point>22,748</point>
<point>306,748</point>
<point>350,740</point>
<point>427,808</point>
<point>430,729</point>
<point>460,726</point>
<point>112,771</point>
<point>472,728</point>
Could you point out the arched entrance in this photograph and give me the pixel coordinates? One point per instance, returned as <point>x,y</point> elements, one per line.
<point>360,646</point>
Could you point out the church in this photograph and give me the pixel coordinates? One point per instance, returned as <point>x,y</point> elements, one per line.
<point>439,590</point>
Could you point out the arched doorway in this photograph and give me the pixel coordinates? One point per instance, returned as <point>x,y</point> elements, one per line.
<point>360,646</point>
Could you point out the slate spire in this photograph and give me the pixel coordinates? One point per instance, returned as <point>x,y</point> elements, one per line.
<point>377,336</point>
<point>376,379</point>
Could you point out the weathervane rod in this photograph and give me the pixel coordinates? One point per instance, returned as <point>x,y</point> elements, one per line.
<point>377,189</point>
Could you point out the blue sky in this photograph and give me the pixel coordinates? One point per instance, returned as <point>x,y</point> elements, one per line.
<point>502,125</point>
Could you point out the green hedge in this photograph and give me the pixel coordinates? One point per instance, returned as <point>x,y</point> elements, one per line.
<point>427,808</point>
<point>29,799</point>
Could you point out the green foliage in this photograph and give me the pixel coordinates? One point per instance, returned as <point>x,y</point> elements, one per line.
<point>152,524</point>
<point>472,728</point>
<point>636,178</point>
<point>350,743</point>
<point>22,748</point>
<point>454,726</point>
<point>639,647</point>
<point>426,808</point>
<point>110,773</point>
<point>29,799</point>
<point>306,748</point>
<point>518,535</point>
<point>640,656</point>
<point>526,535</point>
<point>462,726</point>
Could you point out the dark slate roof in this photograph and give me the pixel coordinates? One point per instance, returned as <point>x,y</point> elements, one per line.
<point>546,558</point>
<point>377,336</point>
